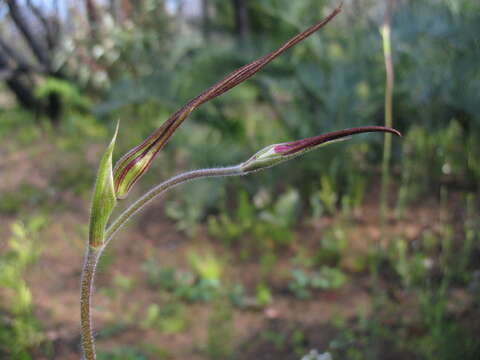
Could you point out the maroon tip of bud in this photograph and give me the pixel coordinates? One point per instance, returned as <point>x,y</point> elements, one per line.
<point>295,146</point>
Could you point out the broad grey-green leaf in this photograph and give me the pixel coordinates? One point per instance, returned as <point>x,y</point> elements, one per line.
<point>104,199</point>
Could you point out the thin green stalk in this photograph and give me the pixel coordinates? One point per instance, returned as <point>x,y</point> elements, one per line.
<point>389,84</point>
<point>387,146</point>
<point>165,186</point>
<point>93,254</point>
<point>88,275</point>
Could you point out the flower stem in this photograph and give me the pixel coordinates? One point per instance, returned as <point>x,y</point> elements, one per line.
<point>93,253</point>
<point>88,275</point>
<point>165,186</point>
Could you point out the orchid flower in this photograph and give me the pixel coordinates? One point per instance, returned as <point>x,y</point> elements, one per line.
<point>137,161</point>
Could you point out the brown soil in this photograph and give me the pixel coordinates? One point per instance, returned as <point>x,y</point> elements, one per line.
<point>54,279</point>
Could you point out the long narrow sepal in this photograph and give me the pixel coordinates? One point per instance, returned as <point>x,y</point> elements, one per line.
<point>137,161</point>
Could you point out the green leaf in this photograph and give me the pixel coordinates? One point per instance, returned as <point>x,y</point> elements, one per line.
<point>104,199</point>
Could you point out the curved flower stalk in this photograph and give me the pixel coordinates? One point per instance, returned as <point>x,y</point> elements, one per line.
<point>267,157</point>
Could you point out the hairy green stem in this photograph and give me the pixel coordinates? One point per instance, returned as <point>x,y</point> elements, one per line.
<point>88,275</point>
<point>93,254</point>
<point>161,188</point>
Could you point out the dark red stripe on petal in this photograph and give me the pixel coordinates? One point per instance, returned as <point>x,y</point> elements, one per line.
<point>295,146</point>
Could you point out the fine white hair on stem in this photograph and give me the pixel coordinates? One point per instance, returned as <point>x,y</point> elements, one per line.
<point>163,187</point>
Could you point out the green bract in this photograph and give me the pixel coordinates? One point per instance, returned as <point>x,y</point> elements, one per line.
<point>104,199</point>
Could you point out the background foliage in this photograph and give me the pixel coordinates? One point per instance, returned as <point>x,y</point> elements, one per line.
<point>226,268</point>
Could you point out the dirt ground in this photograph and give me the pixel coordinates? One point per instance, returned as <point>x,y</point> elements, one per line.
<point>54,278</point>
<point>54,282</point>
<point>56,301</point>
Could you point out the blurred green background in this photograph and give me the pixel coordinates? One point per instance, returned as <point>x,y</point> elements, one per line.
<point>269,266</point>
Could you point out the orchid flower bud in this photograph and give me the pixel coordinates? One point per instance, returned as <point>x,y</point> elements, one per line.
<point>137,161</point>
<point>277,153</point>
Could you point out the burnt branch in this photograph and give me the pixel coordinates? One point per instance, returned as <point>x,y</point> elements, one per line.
<point>37,48</point>
<point>50,25</point>
<point>19,62</point>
